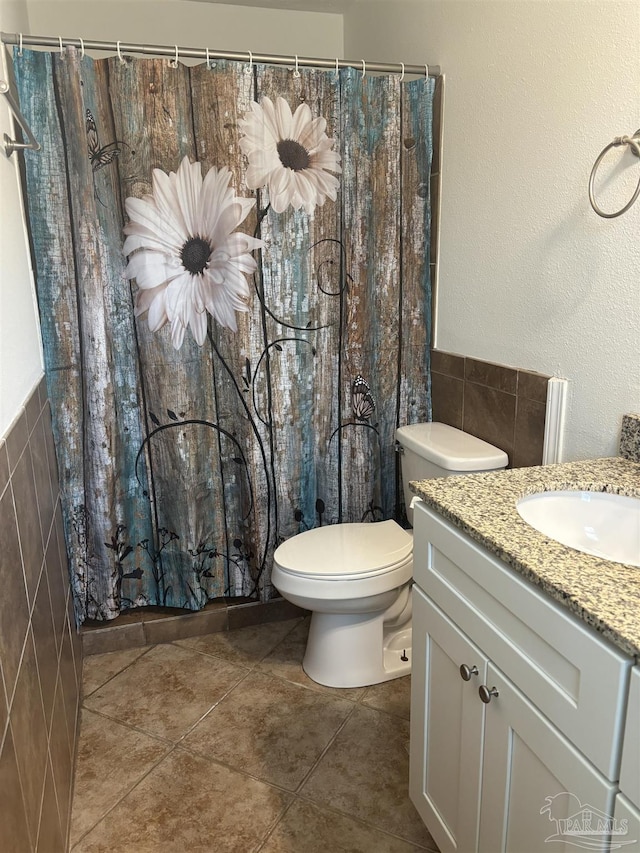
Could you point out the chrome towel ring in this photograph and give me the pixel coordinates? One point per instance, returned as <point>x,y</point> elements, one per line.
<point>634,143</point>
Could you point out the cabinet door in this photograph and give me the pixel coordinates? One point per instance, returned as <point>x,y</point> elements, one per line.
<point>630,769</point>
<point>626,826</point>
<point>536,786</point>
<point>446,728</point>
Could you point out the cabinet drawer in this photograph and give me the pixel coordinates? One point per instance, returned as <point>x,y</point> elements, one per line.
<point>575,677</point>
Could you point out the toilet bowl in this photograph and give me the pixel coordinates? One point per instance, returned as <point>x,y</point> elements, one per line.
<point>356,578</point>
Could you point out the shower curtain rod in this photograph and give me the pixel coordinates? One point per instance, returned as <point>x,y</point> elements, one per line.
<point>175,52</point>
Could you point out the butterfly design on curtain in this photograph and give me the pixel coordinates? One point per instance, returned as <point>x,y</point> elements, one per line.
<point>99,156</point>
<point>362,400</point>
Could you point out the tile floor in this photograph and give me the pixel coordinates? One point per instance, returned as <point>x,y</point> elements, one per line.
<point>221,743</point>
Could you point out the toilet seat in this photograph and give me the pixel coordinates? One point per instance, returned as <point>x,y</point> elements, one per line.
<point>350,551</point>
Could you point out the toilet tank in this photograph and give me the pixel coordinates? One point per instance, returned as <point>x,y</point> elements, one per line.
<point>439,450</point>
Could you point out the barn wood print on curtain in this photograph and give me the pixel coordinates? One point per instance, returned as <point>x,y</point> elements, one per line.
<point>233,374</point>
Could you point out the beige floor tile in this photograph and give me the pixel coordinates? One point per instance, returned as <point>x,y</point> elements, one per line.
<point>98,669</point>
<point>270,728</point>
<point>285,661</point>
<point>365,773</point>
<point>394,696</point>
<point>188,805</point>
<point>166,690</point>
<point>111,760</point>
<point>311,829</point>
<point>242,645</point>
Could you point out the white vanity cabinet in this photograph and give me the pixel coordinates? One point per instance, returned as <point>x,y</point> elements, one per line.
<point>627,806</point>
<point>630,769</point>
<point>506,770</point>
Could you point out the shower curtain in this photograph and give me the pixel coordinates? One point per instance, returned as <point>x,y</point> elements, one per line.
<point>233,278</point>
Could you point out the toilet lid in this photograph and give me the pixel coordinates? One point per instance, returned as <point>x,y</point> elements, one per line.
<point>345,549</point>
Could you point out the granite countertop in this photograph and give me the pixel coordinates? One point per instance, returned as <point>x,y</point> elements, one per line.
<point>604,594</point>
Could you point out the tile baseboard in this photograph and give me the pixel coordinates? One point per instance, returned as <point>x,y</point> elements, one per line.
<point>139,628</point>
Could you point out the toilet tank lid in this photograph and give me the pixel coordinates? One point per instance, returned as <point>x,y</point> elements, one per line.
<point>451,448</point>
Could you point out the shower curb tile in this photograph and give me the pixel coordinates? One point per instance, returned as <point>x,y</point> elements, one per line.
<point>182,627</point>
<point>246,646</point>
<point>113,639</point>
<point>253,613</point>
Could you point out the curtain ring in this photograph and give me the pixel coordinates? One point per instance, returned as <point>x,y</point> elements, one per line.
<point>426,71</point>
<point>173,63</point>
<point>337,69</point>
<point>296,73</point>
<point>20,48</point>
<point>120,56</point>
<point>61,48</point>
<point>208,63</point>
<point>249,70</point>
<point>402,75</point>
<point>364,69</point>
<point>82,48</point>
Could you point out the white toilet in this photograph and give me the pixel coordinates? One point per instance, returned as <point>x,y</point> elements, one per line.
<point>356,578</point>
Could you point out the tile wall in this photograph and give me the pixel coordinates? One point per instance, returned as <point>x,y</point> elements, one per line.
<point>40,653</point>
<point>502,405</point>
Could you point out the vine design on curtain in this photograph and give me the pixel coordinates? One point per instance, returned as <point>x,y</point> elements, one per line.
<point>232,268</point>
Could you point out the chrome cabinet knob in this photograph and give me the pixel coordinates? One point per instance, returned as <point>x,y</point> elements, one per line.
<point>486,694</point>
<point>466,673</point>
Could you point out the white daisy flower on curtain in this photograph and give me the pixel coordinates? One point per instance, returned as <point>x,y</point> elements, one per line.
<point>290,154</point>
<point>185,254</point>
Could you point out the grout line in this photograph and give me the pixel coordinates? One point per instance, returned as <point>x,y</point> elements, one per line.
<point>220,762</point>
<point>131,727</point>
<point>212,708</point>
<point>181,747</point>
<point>120,799</point>
<point>53,782</point>
<point>326,749</point>
<point>38,691</point>
<point>145,651</point>
<point>376,827</point>
<point>272,829</point>
<point>21,784</point>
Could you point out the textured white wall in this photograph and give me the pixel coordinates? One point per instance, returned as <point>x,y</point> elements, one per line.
<point>529,275</point>
<point>20,356</point>
<point>192,24</point>
<point>195,24</point>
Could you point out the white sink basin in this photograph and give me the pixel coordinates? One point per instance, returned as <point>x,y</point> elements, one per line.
<point>595,523</point>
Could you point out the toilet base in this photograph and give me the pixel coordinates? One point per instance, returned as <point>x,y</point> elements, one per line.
<point>356,650</point>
